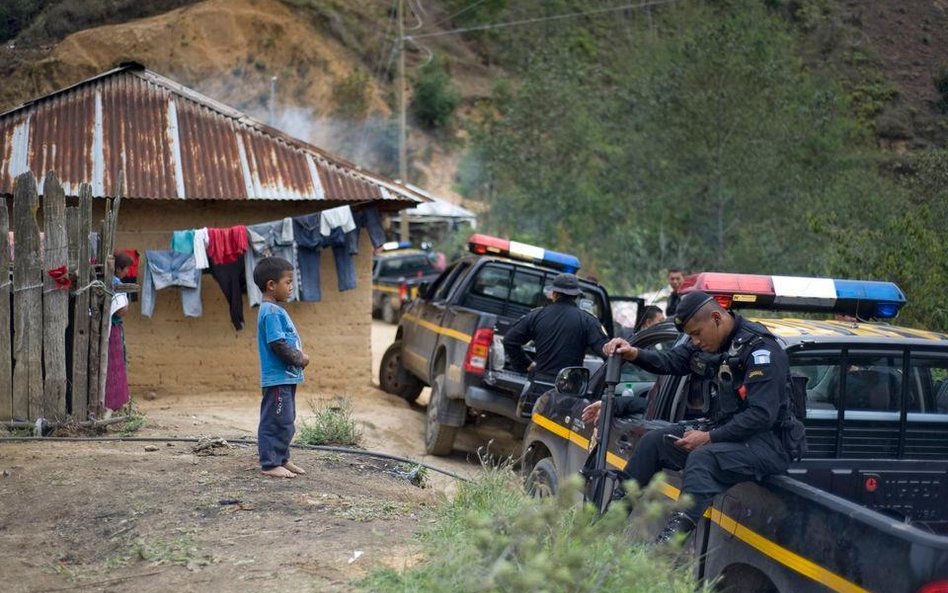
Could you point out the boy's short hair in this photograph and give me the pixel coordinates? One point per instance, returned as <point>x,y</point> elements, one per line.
<point>270,268</point>
<point>122,260</point>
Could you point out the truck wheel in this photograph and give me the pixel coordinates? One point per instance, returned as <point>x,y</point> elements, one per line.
<point>439,438</point>
<point>389,311</point>
<point>542,481</point>
<point>394,379</point>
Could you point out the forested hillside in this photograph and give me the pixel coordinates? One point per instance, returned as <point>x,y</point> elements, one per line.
<point>771,136</point>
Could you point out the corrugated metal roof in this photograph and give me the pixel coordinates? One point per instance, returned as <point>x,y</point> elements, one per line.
<point>172,143</point>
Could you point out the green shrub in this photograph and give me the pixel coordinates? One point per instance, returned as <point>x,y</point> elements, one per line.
<point>493,538</point>
<point>434,99</point>
<point>331,424</point>
<point>941,85</point>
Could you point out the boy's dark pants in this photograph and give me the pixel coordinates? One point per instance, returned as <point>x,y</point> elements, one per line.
<point>277,413</point>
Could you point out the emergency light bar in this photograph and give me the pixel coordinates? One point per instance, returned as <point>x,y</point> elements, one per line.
<point>862,298</point>
<point>393,245</point>
<point>485,244</point>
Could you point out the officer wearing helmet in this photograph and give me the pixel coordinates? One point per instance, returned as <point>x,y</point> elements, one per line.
<point>742,438</point>
<point>562,333</point>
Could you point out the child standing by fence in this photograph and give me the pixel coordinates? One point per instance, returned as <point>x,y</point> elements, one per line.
<point>281,368</point>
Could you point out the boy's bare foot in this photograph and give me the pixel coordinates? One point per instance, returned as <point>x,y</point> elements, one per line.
<point>294,468</point>
<point>278,472</point>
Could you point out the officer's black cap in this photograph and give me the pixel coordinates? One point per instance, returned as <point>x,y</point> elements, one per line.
<point>566,284</point>
<point>690,304</point>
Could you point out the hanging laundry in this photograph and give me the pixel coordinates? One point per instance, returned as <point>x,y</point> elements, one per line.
<point>270,239</point>
<point>345,264</point>
<point>334,225</point>
<point>336,217</point>
<point>371,221</point>
<point>225,246</point>
<point>200,249</point>
<point>230,277</point>
<point>309,241</point>
<point>167,268</point>
<point>182,241</point>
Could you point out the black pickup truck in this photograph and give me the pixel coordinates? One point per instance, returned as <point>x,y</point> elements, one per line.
<point>866,510</point>
<point>450,336</point>
<point>397,272</point>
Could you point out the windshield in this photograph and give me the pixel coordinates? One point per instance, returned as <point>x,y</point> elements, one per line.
<point>413,265</point>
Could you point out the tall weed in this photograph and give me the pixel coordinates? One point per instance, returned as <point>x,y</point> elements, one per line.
<point>494,538</point>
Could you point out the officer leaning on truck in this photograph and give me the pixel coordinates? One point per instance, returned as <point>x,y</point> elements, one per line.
<point>742,439</point>
<point>561,333</point>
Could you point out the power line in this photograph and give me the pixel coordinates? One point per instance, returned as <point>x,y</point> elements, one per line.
<point>471,6</point>
<point>543,19</point>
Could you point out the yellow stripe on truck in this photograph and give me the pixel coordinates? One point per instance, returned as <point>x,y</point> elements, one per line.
<point>767,547</point>
<point>451,333</point>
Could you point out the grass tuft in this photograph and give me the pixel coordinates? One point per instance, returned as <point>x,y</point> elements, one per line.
<point>331,424</point>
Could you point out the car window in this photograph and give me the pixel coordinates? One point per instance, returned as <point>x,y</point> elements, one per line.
<point>492,281</point>
<point>527,288</point>
<point>442,285</point>
<point>872,382</point>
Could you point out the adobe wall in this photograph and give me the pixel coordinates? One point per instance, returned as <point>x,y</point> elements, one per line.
<point>170,353</point>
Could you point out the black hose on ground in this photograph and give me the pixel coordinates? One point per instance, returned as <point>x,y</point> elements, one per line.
<point>240,441</point>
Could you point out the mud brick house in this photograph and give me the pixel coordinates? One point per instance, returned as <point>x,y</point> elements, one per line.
<point>191,162</point>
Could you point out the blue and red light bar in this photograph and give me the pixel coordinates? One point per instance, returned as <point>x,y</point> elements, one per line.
<point>485,244</point>
<point>863,298</point>
<point>395,245</point>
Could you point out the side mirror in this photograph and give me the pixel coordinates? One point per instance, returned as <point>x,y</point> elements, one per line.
<point>422,290</point>
<point>572,381</point>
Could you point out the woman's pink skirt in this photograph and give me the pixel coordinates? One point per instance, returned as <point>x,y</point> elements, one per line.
<point>116,381</point>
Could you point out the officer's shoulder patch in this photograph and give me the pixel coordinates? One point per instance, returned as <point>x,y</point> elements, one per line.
<point>755,374</point>
<point>761,356</point>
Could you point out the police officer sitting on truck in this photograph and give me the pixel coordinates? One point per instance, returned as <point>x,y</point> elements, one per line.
<point>742,438</point>
<point>561,334</point>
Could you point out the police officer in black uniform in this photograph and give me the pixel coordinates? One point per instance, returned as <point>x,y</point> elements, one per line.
<point>561,334</point>
<point>742,439</point>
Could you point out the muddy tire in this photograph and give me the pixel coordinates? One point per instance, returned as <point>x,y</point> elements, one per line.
<point>439,438</point>
<point>394,379</point>
<point>390,313</point>
<point>542,481</point>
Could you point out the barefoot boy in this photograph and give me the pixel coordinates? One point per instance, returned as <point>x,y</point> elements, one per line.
<point>281,368</point>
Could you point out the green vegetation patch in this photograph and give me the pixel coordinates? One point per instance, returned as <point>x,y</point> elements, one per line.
<point>331,424</point>
<point>491,537</point>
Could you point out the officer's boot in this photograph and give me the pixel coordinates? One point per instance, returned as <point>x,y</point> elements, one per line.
<point>678,525</point>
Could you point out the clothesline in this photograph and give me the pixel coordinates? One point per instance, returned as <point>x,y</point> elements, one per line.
<point>231,254</point>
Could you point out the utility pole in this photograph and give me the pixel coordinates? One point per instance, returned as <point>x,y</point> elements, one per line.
<point>402,122</point>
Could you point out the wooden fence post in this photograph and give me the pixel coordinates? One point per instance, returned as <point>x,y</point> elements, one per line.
<point>81,316</point>
<point>6,346</point>
<point>27,302</point>
<point>55,299</point>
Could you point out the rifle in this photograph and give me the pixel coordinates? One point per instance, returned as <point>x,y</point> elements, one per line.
<point>600,471</point>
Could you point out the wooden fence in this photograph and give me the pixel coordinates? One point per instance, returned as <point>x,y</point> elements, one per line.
<point>56,309</point>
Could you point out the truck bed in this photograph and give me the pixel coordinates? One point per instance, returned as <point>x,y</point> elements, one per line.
<point>913,492</point>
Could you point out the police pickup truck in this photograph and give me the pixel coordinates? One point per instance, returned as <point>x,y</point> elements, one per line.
<point>397,271</point>
<point>450,336</point>
<point>865,510</point>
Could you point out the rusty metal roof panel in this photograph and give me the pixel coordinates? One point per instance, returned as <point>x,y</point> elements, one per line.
<point>172,143</point>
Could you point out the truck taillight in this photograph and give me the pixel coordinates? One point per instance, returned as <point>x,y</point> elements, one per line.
<point>478,351</point>
<point>937,587</point>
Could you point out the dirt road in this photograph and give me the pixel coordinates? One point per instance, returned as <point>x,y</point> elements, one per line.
<point>154,517</point>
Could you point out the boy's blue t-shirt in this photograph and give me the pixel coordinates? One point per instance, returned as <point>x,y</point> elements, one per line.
<point>274,323</point>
